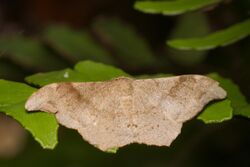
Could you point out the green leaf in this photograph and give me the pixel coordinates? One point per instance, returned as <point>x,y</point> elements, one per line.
<point>238,100</point>
<point>173,7</point>
<point>29,53</point>
<point>84,71</point>
<point>92,71</point>
<point>13,92</point>
<point>42,126</point>
<point>220,38</point>
<point>75,45</point>
<point>244,111</point>
<point>217,112</point>
<point>185,28</point>
<point>42,79</point>
<point>128,46</point>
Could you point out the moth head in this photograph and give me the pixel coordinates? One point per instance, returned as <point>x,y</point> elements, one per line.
<point>42,99</point>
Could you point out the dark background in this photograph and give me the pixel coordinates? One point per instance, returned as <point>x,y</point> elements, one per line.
<point>224,144</point>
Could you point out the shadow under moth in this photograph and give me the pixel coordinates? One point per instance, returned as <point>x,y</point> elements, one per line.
<point>115,113</point>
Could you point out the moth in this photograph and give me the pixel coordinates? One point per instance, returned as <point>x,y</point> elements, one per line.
<point>115,113</point>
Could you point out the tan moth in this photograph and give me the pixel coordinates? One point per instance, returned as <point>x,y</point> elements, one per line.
<point>121,111</point>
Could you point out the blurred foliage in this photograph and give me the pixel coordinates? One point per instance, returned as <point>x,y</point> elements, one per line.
<point>10,71</point>
<point>129,48</point>
<point>220,38</point>
<point>29,53</point>
<point>186,23</point>
<point>172,7</point>
<point>13,137</point>
<point>75,45</point>
<point>56,48</point>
